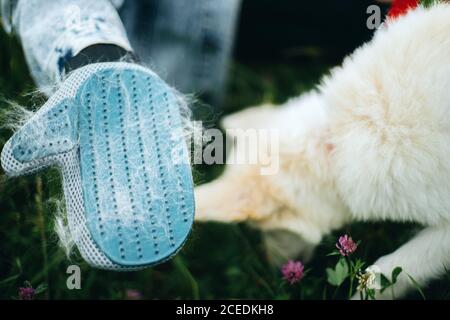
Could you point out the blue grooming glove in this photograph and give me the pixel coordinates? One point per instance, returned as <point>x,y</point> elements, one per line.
<point>116,133</point>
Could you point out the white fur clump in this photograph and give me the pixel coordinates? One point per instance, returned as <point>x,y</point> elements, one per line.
<point>66,240</point>
<point>390,121</point>
<point>14,116</point>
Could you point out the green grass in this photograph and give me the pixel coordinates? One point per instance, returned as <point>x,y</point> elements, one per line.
<point>218,261</point>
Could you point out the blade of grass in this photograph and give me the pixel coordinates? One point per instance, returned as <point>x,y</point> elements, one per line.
<point>417,286</point>
<point>181,266</point>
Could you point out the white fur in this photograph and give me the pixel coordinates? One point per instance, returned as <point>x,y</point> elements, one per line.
<point>390,121</point>
<point>389,112</point>
<point>372,144</point>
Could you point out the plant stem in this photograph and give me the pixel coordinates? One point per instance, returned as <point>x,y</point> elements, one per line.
<point>180,265</point>
<point>350,291</point>
<point>324,293</point>
<point>335,293</point>
<point>352,271</point>
<point>41,226</point>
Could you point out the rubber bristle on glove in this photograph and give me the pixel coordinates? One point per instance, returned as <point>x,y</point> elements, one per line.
<point>116,132</point>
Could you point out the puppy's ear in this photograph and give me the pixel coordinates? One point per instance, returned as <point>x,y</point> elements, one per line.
<point>259,117</point>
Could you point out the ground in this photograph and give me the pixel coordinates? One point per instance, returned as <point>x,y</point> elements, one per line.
<point>218,261</point>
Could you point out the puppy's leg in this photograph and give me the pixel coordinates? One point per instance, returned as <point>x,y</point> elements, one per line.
<point>424,257</point>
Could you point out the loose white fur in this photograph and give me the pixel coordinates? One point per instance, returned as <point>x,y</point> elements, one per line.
<point>372,144</point>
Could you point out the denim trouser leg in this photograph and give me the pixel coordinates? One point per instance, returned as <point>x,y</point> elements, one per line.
<point>188,43</point>
<point>53,31</point>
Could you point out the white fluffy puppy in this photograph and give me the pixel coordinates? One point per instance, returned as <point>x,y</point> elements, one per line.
<point>372,143</point>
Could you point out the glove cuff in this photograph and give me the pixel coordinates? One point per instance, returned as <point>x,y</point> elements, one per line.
<point>99,53</point>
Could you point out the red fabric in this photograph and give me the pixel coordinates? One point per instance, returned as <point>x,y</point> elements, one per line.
<point>401,7</point>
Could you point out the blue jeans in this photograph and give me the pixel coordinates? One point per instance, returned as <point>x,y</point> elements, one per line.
<point>188,43</point>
